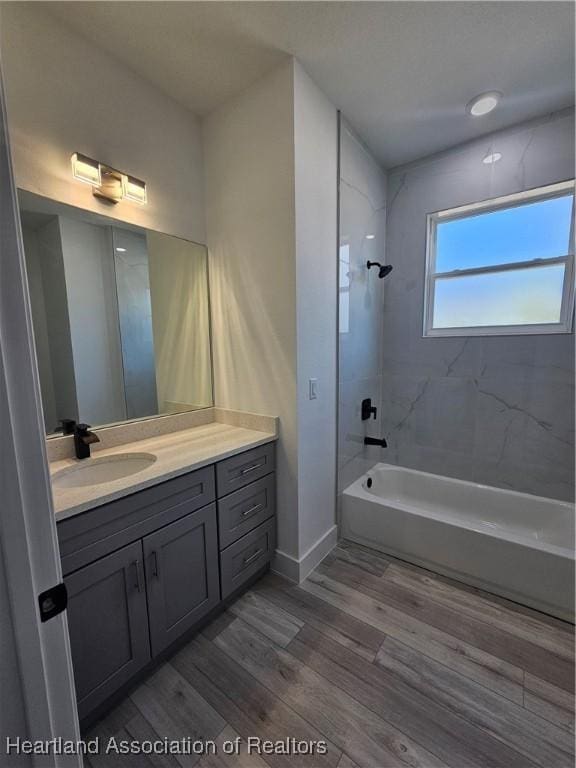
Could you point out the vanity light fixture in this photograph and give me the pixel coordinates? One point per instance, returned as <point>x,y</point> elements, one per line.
<point>85,169</point>
<point>370,237</point>
<point>492,157</point>
<point>111,187</point>
<point>108,183</point>
<point>134,189</point>
<point>483,103</point>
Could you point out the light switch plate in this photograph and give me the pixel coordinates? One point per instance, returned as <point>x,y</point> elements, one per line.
<point>312,389</point>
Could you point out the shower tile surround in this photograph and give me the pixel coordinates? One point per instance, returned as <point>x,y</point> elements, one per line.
<point>496,409</point>
<point>362,213</point>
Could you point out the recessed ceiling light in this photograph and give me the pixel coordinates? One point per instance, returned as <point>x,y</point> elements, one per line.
<point>370,237</point>
<point>492,158</point>
<point>484,103</point>
<point>121,250</point>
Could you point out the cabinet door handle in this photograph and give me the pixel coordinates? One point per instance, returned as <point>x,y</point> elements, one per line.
<point>248,560</point>
<point>246,470</point>
<point>138,584</point>
<point>255,508</point>
<point>156,569</point>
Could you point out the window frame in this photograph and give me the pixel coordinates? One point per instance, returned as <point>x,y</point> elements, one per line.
<point>564,325</point>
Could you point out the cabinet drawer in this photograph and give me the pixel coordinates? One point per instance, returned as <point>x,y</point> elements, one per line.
<point>85,537</point>
<point>243,510</point>
<point>241,560</point>
<point>238,471</point>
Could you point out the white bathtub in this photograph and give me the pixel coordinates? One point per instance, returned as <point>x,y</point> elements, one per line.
<point>512,544</point>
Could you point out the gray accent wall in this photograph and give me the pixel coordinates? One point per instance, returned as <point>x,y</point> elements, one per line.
<point>496,410</point>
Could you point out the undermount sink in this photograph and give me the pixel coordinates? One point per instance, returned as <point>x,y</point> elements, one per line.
<point>102,470</point>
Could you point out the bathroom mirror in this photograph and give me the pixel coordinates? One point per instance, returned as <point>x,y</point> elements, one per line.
<point>120,314</point>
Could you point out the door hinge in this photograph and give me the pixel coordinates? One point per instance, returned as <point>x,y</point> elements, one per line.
<point>53,601</point>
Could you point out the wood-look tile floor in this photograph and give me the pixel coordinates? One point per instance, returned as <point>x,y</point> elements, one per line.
<point>389,664</point>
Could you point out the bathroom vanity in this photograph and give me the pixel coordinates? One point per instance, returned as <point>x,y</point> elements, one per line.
<point>174,512</point>
<point>145,569</point>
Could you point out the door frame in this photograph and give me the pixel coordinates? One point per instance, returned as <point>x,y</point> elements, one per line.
<point>28,538</point>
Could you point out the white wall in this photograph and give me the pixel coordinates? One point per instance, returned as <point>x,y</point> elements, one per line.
<point>270,166</point>
<point>93,316</point>
<point>180,322</point>
<point>316,155</point>
<point>249,166</point>
<point>70,96</point>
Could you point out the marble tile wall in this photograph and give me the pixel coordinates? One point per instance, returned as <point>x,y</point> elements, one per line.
<point>362,237</point>
<point>495,410</point>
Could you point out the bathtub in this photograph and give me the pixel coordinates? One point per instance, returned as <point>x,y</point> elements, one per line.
<point>513,544</point>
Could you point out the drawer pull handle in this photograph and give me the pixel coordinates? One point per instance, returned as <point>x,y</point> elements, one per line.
<point>246,470</point>
<point>156,571</point>
<point>248,560</point>
<point>255,508</point>
<point>138,584</point>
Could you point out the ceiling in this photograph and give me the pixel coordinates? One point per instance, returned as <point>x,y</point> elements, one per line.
<point>402,72</point>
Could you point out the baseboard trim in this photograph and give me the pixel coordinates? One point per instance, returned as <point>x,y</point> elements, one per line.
<point>296,570</point>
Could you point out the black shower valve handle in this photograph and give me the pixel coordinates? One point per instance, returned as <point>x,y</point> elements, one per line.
<point>368,409</point>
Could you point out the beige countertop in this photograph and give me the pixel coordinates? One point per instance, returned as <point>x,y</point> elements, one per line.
<point>176,453</point>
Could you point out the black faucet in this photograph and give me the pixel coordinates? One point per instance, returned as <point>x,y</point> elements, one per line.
<point>83,438</point>
<point>67,426</point>
<point>376,441</point>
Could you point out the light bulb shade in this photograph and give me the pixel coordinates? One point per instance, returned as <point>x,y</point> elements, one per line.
<point>134,189</point>
<point>85,169</point>
<point>484,103</point>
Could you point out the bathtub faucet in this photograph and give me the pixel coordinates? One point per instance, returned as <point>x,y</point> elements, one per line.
<point>376,441</point>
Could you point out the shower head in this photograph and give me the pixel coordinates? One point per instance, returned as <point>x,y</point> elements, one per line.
<point>384,269</point>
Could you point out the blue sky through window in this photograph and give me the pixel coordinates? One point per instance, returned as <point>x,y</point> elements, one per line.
<point>537,230</point>
<point>513,297</point>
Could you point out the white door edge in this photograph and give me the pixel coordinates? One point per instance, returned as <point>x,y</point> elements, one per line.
<point>28,539</point>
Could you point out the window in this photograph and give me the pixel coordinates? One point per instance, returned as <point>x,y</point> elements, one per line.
<point>502,266</point>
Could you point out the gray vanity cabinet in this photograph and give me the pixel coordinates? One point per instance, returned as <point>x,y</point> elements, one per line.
<point>181,575</point>
<point>108,624</point>
<point>143,570</point>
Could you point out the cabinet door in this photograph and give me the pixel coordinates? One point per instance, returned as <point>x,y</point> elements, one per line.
<point>108,624</point>
<point>182,579</point>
